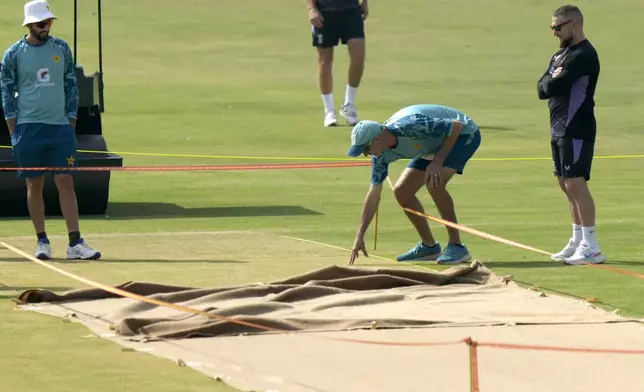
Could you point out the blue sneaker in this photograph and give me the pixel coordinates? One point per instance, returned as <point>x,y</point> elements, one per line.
<point>454,254</point>
<point>421,252</point>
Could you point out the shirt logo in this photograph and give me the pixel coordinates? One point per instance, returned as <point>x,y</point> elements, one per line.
<point>43,75</point>
<point>44,78</point>
<point>71,161</point>
<point>56,59</point>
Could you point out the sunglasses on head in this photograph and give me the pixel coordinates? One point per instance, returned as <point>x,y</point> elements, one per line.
<point>43,24</point>
<point>560,25</point>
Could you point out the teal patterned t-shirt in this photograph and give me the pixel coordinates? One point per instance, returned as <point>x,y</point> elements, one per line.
<point>420,131</point>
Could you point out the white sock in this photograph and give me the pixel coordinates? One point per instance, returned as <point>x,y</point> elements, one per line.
<point>588,236</point>
<point>328,102</point>
<point>576,233</point>
<point>350,95</point>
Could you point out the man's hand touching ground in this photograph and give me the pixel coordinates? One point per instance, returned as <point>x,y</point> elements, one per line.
<point>358,246</point>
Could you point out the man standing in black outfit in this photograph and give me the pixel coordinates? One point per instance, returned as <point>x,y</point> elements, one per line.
<point>569,85</point>
<point>333,21</point>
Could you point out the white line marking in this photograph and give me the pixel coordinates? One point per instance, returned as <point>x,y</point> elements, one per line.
<point>333,246</point>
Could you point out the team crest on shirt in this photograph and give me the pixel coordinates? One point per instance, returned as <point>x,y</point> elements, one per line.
<point>56,59</point>
<point>70,161</point>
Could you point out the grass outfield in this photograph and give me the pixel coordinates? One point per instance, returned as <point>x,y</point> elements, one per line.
<point>239,78</point>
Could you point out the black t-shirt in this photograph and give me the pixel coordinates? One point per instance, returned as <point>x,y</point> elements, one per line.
<point>571,94</point>
<point>336,5</point>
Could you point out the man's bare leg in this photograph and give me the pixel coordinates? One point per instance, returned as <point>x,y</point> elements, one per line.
<point>582,210</point>
<point>577,234</point>
<point>325,81</point>
<point>357,54</point>
<point>578,189</point>
<point>445,204</point>
<point>36,206</point>
<point>68,201</point>
<point>588,250</point>
<point>405,190</point>
<point>574,214</point>
<point>455,252</point>
<point>325,70</point>
<point>78,248</point>
<point>36,203</point>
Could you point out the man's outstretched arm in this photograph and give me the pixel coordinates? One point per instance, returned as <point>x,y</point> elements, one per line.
<point>369,208</point>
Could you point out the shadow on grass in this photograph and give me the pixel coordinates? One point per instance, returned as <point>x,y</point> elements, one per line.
<point>128,261</point>
<point>634,263</point>
<point>554,264</point>
<point>496,128</point>
<point>489,264</point>
<point>154,210</point>
<point>63,262</point>
<point>168,210</point>
<point>24,288</point>
<point>524,264</point>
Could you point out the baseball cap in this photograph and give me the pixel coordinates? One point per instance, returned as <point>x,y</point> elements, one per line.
<point>37,11</point>
<point>362,134</point>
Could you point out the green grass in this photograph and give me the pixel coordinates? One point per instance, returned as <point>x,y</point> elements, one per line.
<point>238,78</point>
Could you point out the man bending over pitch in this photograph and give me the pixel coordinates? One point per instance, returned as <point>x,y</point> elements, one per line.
<point>440,140</point>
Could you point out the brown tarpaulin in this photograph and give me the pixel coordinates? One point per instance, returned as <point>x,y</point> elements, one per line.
<point>332,301</point>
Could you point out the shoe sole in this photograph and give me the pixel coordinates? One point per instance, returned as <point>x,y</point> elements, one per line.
<point>43,257</point>
<point>463,259</point>
<point>350,120</point>
<point>560,257</point>
<point>426,258</point>
<point>96,256</point>
<point>583,262</point>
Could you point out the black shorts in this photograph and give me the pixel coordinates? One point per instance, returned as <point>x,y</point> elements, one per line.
<point>572,157</point>
<point>338,25</point>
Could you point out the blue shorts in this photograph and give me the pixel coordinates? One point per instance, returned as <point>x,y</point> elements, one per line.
<point>463,150</point>
<point>43,145</point>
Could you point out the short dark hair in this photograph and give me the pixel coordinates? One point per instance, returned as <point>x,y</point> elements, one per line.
<point>569,12</point>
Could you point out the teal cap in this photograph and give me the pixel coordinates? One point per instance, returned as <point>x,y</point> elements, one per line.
<point>362,134</point>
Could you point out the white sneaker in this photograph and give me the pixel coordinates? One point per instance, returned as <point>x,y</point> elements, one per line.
<point>330,118</point>
<point>82,251</point>
<point>586,255</point>
<point>43,251</point>
<point>349,113</point>
<point>566,252</point>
